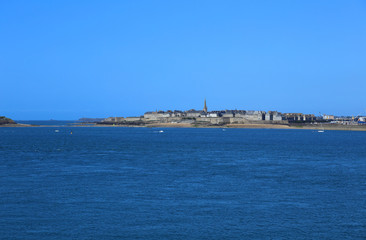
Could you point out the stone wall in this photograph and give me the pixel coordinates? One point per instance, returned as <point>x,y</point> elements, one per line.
<point>211,120</point>
<point>132,119</point>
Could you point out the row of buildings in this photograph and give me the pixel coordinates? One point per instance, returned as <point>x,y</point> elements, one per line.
<point>216,117</point>
<point>227,116</point>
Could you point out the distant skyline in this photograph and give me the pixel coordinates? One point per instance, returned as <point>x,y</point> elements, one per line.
<point>73,59</point>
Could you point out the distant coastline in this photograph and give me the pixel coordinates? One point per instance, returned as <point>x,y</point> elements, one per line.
<point>238,119</point>
<point>210,119</point>
<point>226,126</point>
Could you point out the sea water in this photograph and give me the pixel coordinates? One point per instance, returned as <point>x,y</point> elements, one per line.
<point>152,183</point>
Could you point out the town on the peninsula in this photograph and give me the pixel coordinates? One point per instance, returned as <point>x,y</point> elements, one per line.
<point>235,118</point>
<point>219,118</point>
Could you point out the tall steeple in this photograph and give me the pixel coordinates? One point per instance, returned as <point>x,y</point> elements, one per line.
<point>205,107</point>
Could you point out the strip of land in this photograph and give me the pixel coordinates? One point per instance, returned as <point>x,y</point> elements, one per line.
<point>200,125</point>
<point>264,126</point>
<point>253,126</point>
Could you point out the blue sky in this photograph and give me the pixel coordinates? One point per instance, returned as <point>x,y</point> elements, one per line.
<point>72,59</point>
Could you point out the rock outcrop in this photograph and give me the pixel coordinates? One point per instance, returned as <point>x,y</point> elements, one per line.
<point>4,120</point>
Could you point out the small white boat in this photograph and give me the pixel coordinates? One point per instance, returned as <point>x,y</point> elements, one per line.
<point>57,130</point>
<point>321,130</point>
<point>161,131</point>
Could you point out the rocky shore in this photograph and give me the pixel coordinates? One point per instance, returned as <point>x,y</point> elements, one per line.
<point>4,122</point>
<point>7,122</point>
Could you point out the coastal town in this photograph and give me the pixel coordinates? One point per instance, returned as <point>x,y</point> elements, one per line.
<point>220,118</point>
<point>231,117</point>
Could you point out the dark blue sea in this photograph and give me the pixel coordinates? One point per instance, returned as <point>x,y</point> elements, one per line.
<point>49,122</point>
<point>140,183</point>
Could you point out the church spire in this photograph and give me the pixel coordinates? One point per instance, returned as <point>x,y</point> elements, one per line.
<point>205,107</point>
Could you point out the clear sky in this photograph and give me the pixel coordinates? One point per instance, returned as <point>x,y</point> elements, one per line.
<point>72,59</point>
